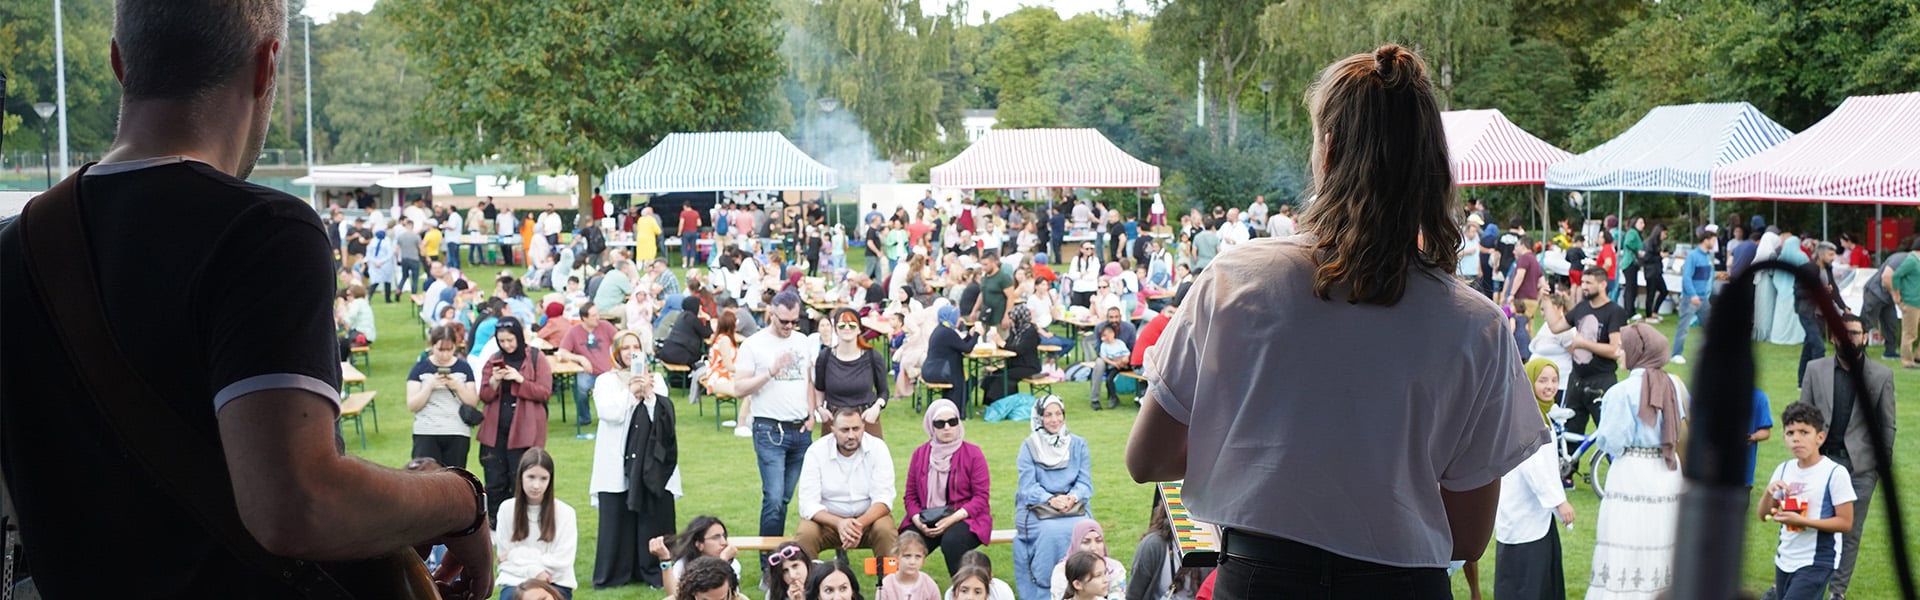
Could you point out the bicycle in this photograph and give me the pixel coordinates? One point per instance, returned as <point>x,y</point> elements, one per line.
<point>1597,464</point>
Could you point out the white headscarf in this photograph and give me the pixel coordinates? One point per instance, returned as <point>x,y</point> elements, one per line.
<point>1050,450</point>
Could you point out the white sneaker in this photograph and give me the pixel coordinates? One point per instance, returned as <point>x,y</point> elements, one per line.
<point>729,423</point>
<point>742,432</point>
<point>1678,360</point>
<point>1633,319</point>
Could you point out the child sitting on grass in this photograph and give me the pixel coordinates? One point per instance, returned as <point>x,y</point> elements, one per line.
<point>1812,498</point>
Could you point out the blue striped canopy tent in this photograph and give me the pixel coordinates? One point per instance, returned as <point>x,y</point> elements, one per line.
<point>721,161</point>
<point>1674,149</point>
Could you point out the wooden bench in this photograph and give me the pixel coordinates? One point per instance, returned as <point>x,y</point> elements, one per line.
<point>718,413</point>
<point>363,354</point>
<point>352,406</point>
<point>1040,384</point>
<point>769,543</point>
<point>1139,390</point>
<point>683,373</point>
<point>929,391</point>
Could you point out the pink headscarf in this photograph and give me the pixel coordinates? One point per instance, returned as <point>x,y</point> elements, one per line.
<point>1080,531</point>
<point>940,459</point>
<point>1112,270</point>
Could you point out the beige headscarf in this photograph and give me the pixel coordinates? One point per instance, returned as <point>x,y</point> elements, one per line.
<point>1646,349</point>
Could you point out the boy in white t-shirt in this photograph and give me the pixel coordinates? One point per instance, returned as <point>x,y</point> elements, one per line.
<point>1812,498</point>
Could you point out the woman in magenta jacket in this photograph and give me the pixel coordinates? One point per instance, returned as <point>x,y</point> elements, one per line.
<point>947,488</point>
<point>514,385</point>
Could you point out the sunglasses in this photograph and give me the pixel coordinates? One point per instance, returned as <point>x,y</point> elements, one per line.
<point>945,423</point>
<point>846,325</point>
<point>782,555</point>
<point>788,322</point>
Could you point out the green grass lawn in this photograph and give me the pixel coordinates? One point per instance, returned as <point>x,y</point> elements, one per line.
<point>721,478</point>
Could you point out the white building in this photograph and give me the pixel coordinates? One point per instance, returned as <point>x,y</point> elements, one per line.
<point>975,121</point>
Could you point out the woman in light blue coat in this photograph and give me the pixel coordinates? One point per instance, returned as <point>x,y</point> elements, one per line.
<point>382,268</point>
<point>1056,484</point>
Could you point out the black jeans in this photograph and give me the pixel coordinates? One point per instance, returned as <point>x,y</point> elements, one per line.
<point>952,544</point>
<point>1286,569</point>
<point>1815,345</point>
<point>450,450</point>
<point>1583,395</point>
<point>1656,290</point>
<point>499,465</point>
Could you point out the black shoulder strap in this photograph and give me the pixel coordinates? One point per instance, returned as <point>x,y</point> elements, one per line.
<point>59,264</point>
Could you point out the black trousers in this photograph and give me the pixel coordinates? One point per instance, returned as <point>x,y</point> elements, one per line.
<point>1583,395</point>
<point>1656,291</point>
<point>499,465</point>
<point>1287,569</point>
<point>449,450</point>
<point>1815,344</point>
<point>1881,314</point>
<point>953,543</point>
<point>621,555</point>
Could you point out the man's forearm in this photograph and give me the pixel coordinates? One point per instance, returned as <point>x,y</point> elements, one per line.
<point>414,507</point>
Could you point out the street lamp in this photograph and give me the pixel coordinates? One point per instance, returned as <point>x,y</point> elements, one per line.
<point>1266,105</point>
<point>45,110</point>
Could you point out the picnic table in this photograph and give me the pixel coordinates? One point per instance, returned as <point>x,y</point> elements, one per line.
<point>564,372</point>
<point>977,362</point>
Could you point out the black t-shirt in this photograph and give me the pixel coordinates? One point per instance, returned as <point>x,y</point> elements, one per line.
<point>874,244</point>
<point>358,244</point>
<point>856,382</point>
<point>1576,259</point>
<point>214,288</point>
<point>969,296</point>
<point>1597,324</point>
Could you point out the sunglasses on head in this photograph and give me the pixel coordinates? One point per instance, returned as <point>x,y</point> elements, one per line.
<point>782,555</point>
<point>945,423</point>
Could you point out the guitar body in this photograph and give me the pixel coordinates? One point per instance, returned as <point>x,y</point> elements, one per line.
<point>398,576</point>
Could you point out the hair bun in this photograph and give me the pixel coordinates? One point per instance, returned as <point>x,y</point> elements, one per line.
<point>1385,57</point>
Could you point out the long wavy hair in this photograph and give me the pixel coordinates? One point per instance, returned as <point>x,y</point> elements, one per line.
<point>1385,200</point>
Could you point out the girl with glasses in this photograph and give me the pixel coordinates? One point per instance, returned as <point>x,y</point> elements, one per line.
<point>704,536</point>
<point>948,488</point>
<point>849,373</point>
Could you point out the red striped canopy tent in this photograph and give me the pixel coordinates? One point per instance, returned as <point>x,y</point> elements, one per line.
<point>1863,153</point>
<point>1487,149</point>
<point>1044,158</point>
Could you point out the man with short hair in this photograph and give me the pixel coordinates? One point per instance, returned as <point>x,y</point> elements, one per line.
<point>847,490</point>
<point>1233,232</point>
<point>616,287</point>
<point>588,344</point>
<point>1281,224</point>
<point>665,283</point>
<point>1055,232</point>
<point>1849,441</point>
<point>1808,309</point>
<point>873,245</point>
<point>1596,349</point>
<point>1905,287</point>
<point>550,225</point>
<point>1206,246</point>
<point>689,235</point>
<point>250,366</point>
<point>1696,292</point>
<point>406,246</point>
<point>1880,311</point>
<point>1523,294</point>
<point>773,371</point>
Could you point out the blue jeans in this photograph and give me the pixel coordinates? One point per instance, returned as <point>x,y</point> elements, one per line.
<point>582,396</point>
<point>780,451</point>
<point>473,253</point>
<point>1066,345</point>
<point>1808,583</point>
<point>1689,315</point>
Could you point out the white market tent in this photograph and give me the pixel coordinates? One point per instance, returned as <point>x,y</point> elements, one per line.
<point>1863,153</point>
<point>1487,149</point>
<point>721,161</point>
<point>1044,158</point>
<point>1674,149</point>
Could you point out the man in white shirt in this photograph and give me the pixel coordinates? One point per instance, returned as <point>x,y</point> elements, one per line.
<point>1257,214</point>
<point>442,279</point>
<point>773,371</point>
<point>550,226</point>
<point>1233,232</point>
<point>451,228</point>
<point>847,490</point>
<point>1281,223</point>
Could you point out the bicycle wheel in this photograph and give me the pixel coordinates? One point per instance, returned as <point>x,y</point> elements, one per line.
<point>1597,467</point>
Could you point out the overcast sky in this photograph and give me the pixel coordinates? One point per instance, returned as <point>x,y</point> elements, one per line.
<point>323,10</point>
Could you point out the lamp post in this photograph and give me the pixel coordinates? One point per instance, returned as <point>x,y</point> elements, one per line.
<point>1266,105</point>
<point>45,110</point>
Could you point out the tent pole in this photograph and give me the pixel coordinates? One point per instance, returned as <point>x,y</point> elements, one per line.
<point>1879,233</point>
<point>1711,213</point>
<point>1823,221</point>
<point>1546,220</point>
<point>1623,210</point>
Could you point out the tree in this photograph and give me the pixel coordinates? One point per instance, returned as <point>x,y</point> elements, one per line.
<point>27,56</point>
<point>879,59</point>
<point>587,84</point>
<point>367,90</point>
<point>1225,34</point>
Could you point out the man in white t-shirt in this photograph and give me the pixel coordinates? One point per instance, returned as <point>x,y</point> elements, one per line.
<point>1280,225</point>
<point>1257,214</point>
<point>773,371</point>
<point>1233,232</point>
<point>550,226</point>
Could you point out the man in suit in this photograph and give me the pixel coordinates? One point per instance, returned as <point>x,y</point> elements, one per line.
<point>1849,440</point>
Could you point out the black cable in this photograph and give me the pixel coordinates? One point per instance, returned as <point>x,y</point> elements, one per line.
<point>1714,509</point>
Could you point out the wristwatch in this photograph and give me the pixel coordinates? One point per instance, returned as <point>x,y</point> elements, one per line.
<point>479,501</point>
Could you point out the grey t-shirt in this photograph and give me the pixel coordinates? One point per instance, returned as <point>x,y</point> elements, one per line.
<point>1873,283</point>
<point>406,244</point>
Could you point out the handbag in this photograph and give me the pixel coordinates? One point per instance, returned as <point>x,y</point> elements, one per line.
<point>933,514</point>
<point>1045,511</point>
<point>471,416</point>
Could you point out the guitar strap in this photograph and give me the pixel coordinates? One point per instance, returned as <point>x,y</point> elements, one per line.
<point>59,264</point>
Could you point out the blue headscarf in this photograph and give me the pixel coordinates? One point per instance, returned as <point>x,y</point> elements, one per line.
<point>949,317</point>
<point>1791,252</point>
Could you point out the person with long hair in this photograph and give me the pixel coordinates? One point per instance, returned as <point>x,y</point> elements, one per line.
<point>848,373</point>
<point>1373,258</point>
<point>708,578</point>
<point>1632,247</point>
<point>437,387</point>
<point>1640,422</point>
<point>635,452</point>
<point>537,538</point>
<point>1157,574</point>
<point>833,581</point>
<point>514,386</point>
<point>704,536</point>
<point>716,376</point>
<point>1090,538</point>
<point>948,493</point>
<point>787,568</point>
<point>1653,261</point>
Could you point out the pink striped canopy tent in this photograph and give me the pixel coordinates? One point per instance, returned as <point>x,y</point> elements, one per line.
<point>1044,158</point>
<point>1487,149</point>
<point>1863,153</point>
